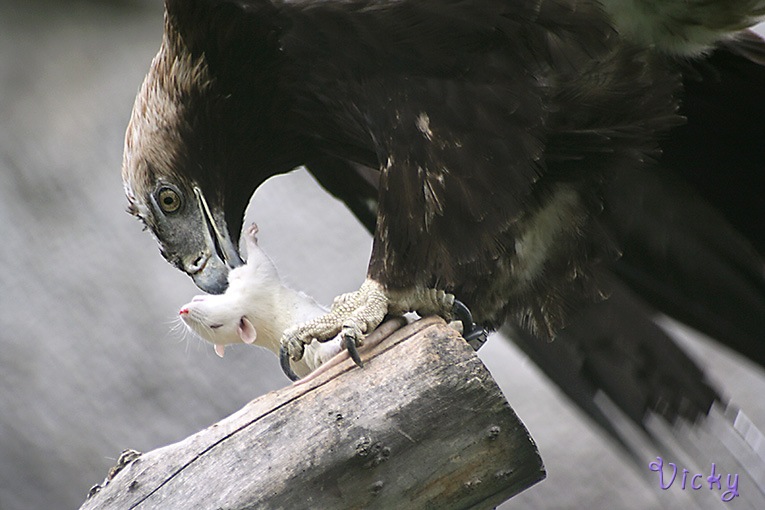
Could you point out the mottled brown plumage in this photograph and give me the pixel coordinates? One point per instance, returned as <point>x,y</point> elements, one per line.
<point>493,125</point>
<point>503,151</point>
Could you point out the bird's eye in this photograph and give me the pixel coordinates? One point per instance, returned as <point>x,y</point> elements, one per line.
<point>169,200</point>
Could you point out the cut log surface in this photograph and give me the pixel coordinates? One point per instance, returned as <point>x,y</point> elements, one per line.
<point>422,425</point>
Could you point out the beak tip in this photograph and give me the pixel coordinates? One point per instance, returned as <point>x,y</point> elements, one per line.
<point>212,282</point>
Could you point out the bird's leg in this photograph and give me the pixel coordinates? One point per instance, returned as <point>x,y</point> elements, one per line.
<point>357,313</point>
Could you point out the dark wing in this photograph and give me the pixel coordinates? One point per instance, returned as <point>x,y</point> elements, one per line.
<point>399,82</point>
<point>614,348</point>
<point>721,151</point>
<point>482,152</point>
<point>692,231</point>
<point>685,259</point>
<point>682,256</point>
<point>677,248</point>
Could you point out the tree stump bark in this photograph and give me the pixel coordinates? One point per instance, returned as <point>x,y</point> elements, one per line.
<point>422,425</point>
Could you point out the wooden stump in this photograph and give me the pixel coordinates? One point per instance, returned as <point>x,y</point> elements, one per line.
<point>422,425</point>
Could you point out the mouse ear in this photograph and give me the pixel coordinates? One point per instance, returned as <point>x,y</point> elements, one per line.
<point>247,331</point>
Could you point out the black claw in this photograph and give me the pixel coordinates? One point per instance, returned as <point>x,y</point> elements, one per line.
<point>350,346</point>
<point>284,361</point>
<point>462,313</point>
<point>473,334</point>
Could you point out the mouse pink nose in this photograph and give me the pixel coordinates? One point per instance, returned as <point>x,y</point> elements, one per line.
<point>183,311</point>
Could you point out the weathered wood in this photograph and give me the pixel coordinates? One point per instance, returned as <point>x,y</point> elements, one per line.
<point>422,425</point>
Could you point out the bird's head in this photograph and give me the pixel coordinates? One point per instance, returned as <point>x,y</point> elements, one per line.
<point>203,135</point>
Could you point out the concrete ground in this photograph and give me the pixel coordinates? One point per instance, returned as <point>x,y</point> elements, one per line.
<point>91,357</point>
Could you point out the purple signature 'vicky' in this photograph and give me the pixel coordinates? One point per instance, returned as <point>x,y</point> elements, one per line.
<point>696,481</point>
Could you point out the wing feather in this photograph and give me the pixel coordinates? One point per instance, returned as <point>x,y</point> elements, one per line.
<point>478,125</point>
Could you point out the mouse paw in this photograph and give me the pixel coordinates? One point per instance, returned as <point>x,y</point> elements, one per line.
<point>251,233</point>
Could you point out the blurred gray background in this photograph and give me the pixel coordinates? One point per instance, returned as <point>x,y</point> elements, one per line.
<point>92,359</point>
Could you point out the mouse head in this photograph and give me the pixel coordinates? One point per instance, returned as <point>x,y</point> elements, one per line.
<point>228,318</point>
<point>218,320</point>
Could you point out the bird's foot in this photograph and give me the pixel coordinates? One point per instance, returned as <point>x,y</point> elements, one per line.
<point>357,313</point>
<point>352,314</point>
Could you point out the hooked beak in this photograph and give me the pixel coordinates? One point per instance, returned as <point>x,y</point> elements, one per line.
<point>211,273</point>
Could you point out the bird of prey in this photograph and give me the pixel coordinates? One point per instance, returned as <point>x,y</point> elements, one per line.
<point>564,167</point>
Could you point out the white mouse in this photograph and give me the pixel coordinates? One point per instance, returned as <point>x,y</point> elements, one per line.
<point>256,309</point>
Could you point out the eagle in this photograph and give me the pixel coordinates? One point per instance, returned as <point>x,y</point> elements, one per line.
<point>563,168</point>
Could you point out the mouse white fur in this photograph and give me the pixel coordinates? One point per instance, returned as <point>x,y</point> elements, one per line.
<point>256,309</point>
